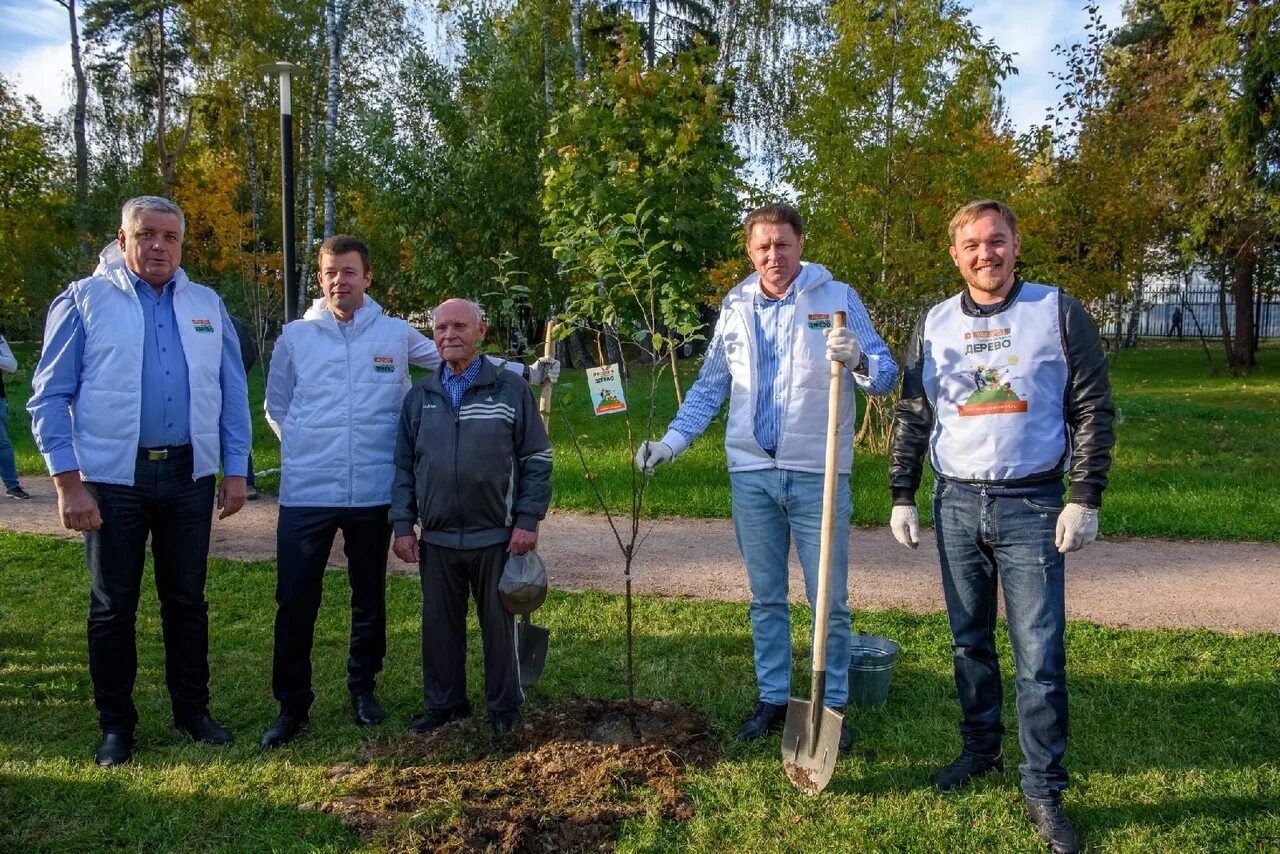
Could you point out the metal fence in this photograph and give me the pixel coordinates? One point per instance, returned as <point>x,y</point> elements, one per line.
<point>1193,314</point>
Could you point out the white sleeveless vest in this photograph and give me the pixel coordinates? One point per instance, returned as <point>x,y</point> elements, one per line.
<point>338,439</point>
<point>997,385</point>
<point>805,380</point>
<point>107,409</point>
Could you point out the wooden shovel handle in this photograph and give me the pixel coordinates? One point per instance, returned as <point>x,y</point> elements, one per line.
<point>544,403</point>
<point>822,607</point>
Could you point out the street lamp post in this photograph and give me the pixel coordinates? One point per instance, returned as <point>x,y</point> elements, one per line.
<point>286,70</point>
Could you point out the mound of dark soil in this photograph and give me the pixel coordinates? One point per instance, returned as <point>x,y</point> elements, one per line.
<point>561,782</point>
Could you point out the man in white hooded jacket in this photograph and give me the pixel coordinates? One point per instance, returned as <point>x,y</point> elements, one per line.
<point>336,382</point>
<point>771,356</point>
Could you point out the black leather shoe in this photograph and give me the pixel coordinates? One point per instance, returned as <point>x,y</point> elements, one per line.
<point>206,729</point>
<point>1052,825</point>
<point>282,731</point>
<point>436,718</point>
<point>765,719</point>
<point>505,722</point>
<point>116,748</point>
<point>966,768</point>
<point>366,709</point>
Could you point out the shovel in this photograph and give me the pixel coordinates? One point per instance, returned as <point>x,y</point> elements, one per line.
<point>531,650</point>
<point>811,735</point>
<point>531,640</point>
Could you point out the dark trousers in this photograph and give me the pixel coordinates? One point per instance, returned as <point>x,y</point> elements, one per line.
<point>304,538</point>
<point>176,511</point>
<point>448,575</point>
<point>982,539</point>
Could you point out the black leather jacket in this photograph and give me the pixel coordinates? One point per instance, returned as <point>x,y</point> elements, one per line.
<point>1090,413</point>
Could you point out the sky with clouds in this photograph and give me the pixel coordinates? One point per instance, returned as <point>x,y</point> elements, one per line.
<point>35,51</point>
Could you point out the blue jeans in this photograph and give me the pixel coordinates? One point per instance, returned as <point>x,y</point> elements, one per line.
<point>176,511</point>
<point>8,466</point>
<point>983,538</point>
<point>769,507</point>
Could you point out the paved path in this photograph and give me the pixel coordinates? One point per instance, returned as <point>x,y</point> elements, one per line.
<point>1119,582</point>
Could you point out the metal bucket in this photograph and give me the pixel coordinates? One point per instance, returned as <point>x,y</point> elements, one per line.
<point>871,662</point>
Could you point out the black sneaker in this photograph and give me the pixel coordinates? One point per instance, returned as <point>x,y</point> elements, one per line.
<point>765,719</point>
<point>505,722</point>
<point>436,718</point>
<point>965,769</point>
<point>1052,825</point>
<point>18,492</point>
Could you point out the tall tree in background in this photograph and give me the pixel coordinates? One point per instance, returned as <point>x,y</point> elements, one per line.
<point>152,34</point>
<point>1227,149</point>
<point>897,128</point>
<point>653,139</point>
<point>78,128</point>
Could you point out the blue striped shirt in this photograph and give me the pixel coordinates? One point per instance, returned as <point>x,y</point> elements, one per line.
<point>774,327</point>
<point>456,385</point>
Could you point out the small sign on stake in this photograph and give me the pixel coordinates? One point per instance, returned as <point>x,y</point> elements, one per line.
<point>606,389</point>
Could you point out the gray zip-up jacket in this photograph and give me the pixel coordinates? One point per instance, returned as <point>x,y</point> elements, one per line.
<point>468,479</point>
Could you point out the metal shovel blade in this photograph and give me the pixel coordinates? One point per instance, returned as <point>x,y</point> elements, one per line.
<point>531,650</point>
<point>809,752</point>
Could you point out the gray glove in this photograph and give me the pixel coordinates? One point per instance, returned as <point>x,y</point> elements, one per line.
<point>652,453</point>
<point>1077,527</point>
<point>904,522</point>
<point>843,346</point>
<point>545,370</point>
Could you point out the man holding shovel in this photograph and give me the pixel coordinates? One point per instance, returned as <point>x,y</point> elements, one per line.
<point>770,356</point>
<point>1000,453</point>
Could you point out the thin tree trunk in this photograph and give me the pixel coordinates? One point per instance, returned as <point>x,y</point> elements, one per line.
<point>308,146</point>
<point>1135,313</point>
<point>1242,274</point>
<point>335,28</point>
<point>575,25</point>
<point>1222,309</point>
<point>78,131</point>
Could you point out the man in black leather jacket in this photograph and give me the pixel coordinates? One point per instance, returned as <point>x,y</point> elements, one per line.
<point>1000,447</point>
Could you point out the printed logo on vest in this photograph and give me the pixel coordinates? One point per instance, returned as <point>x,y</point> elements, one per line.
<point>384,364</point>
<point>819,321</point>
<point>993,388</point>
<point>201,325</point>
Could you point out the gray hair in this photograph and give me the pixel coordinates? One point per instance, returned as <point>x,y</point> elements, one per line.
<point>481,317</point>
<point>138,205</point>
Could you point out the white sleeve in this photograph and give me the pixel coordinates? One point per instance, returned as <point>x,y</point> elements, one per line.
<point>8,362</point>
<point>280,383</point>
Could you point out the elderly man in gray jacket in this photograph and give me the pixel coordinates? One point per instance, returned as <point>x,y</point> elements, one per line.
<point>473,472</point>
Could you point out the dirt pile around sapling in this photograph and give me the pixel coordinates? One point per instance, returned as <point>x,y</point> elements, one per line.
<point>563,781</point>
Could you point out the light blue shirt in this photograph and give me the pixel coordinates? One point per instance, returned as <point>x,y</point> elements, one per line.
<point>456,385</point>
<point>166,390</point>
<point>773,332</point>
<point>63,362</point>
<point>774,326</point>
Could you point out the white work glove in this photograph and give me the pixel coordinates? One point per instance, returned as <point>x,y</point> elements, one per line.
<point>651,454</point>
<point>1077,527</point>
<point>545,370</point>
<point>843,346</point>
<point>904,521</point>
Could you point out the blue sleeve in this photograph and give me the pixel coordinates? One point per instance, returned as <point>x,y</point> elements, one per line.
<point>882,370</point>
<point>55,384</point>
<point>235,427</point>
<point>704,400</point>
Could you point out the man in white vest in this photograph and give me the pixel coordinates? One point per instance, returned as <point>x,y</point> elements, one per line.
<point>1005,387</point>
<point>770,356</point>
<point>138,398</point>
<point>336,382</point>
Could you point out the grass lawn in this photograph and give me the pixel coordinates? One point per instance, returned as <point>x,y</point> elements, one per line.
<point>1195,456</point>
<point>1175,737</point>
